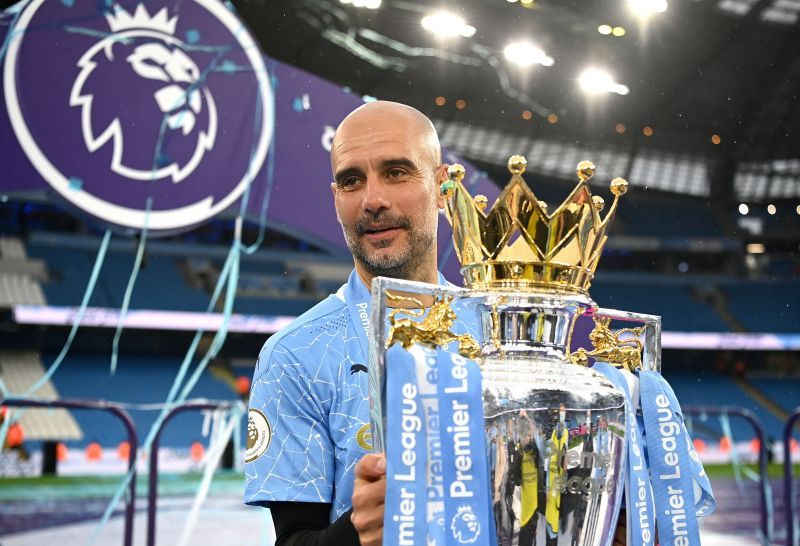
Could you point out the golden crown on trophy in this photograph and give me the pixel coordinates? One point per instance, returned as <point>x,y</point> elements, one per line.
<point>517,245</point>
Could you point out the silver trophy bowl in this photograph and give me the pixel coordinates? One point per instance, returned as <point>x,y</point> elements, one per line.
<point>555,430</point>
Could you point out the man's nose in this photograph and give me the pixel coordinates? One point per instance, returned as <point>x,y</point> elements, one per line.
<point>376,197</point>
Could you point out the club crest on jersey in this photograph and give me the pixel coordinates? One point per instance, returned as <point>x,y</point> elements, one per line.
<point>259,434</point>
<point>364,437</point>
<point>156,113</point>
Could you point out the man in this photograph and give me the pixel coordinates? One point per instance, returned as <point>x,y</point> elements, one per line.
<point>309,416</point>
<point>308,432</point>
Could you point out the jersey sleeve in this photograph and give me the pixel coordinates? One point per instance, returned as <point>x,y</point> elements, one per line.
<point>290,454</point>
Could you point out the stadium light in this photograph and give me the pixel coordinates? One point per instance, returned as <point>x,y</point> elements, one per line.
<point>369,4</point>
<point>646,8</point>
<point>771,209</point>
<point>594,81</point>
<point>447,25</point>
<point>755,248</point>
<point>743,209</point>
<point>526,54</point>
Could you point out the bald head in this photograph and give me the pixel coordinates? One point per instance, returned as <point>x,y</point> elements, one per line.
<point>377,118</point>
<point>386,166</point>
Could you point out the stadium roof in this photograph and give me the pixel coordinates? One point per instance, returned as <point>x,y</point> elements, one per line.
<point>700,72</point>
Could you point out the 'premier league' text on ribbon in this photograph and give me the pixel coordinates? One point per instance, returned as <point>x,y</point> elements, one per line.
<point>638,468</point>
<point>411,425</point>
<point>461,433</point>
<point>465,468</point>
<point>404,516</point>
<point>669,442</point>
<point>427,381</point>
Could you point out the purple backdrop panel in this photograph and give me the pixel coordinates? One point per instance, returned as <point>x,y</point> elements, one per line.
<point>115,106</point>
<point>307,111</point>
<point>119,111</point>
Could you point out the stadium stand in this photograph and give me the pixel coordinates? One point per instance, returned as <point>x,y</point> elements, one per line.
<point>138,383</point>
<point>765,306</point>
<point>785,393</point>
<point>689,220</point>
<point>178,276</point>
<point>705,388</point>
<point>669,297</point>
<point>19,276</point>
<point>19,371</point>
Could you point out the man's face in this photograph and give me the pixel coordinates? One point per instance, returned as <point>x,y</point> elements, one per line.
<point>385,193</point>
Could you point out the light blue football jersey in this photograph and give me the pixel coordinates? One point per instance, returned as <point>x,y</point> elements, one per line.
<point>309,407</point>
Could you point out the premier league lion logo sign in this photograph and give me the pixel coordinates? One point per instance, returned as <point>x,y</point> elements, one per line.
<point>154,114</point>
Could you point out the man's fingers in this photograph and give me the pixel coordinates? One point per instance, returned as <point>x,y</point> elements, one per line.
<point>371,538</point>
<point>367,518</point>
<point>371,467</point>
<point>368,495</point>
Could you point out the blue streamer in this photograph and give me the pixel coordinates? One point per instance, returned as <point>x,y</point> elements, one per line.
<point>87,295</point>
<point>126,300</point>
<point>228,277</point>
<point>270,176</point>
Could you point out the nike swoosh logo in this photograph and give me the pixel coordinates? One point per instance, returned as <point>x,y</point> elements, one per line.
<point>357,368</point>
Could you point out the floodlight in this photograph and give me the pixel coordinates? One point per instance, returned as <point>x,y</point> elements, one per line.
<point>447,25</point>
<point>646,8</point>
<point>526,54</point>
<point>595,81</point>
<point>369,4</point>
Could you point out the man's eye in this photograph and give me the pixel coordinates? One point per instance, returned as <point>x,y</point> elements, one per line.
<point>395,173</point>
<point>349,181</point>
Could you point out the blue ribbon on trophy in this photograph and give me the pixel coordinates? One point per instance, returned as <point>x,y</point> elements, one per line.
<point>666,479</point>
<point>406,460</point>
<point>640,510</point>
<point>681,487</point>
<point>465,467</point>
<point>428,379</point>
<point>437,471</point>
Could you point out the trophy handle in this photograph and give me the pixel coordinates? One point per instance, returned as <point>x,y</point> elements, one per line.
<point>385,291</point>
<point>650,329</point>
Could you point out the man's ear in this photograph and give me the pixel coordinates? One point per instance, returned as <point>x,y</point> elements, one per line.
<point>441,176</point>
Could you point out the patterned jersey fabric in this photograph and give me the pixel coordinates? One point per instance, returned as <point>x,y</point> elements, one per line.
<point>309,409</point>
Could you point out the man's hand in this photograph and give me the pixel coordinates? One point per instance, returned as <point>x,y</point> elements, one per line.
<point>369,492</point>
<point>620,535</point>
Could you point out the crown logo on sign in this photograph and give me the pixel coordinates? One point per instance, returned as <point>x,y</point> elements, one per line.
<point>518,245</point>
<point>121,20</point>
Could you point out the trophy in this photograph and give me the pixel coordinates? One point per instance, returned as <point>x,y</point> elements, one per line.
<point>554,430</point>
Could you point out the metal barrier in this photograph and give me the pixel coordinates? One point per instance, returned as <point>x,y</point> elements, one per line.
<point>123,416</point>
<point>133,442</point>
<point>152,487</point>
<point>788,480</point>
<point>749,416</point>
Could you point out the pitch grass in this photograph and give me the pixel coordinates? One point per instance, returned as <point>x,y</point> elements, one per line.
<point>726,471</point>
<point>66,487</point>
<point>224,482</point>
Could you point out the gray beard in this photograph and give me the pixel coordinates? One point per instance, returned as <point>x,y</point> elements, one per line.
<point>399,266</point>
